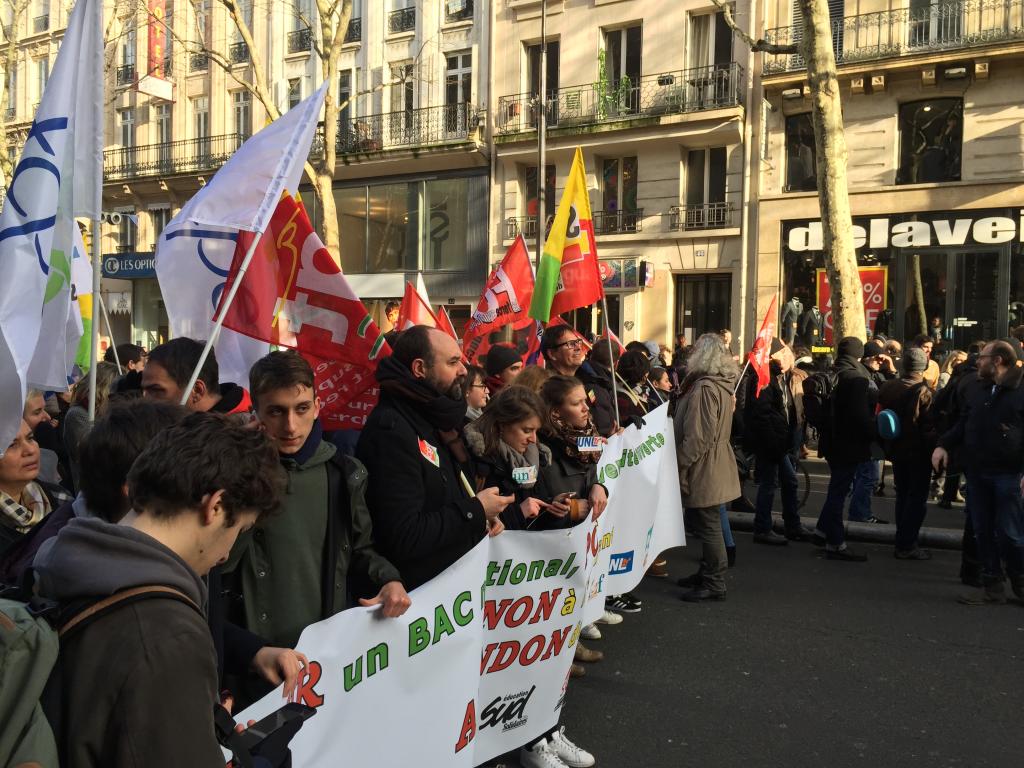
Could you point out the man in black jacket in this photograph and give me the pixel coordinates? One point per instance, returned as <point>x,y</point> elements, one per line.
<point>137,682</point>
<point>846,444</point>
<point>424,511</point>
<point>991,432</point>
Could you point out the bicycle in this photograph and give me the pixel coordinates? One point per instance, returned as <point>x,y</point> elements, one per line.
<point>745,465</point>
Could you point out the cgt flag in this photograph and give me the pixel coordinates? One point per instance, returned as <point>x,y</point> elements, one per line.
<point>760,354</point>
<point>568,275</point>
<point>506,299</point>
<point>59,176</point>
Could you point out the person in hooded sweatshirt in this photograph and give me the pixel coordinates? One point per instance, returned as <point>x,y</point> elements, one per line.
<point>137,682</point>
<point>707,465</point>
<point>169,368</point>
<point>846,444</point>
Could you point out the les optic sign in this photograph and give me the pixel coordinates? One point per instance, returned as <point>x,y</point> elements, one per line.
<point>955,229</point>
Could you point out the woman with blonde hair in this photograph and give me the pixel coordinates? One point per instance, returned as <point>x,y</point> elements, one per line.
<point>533,378</point>
<point>953,359</point>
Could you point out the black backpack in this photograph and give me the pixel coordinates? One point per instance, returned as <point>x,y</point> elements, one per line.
<point>818,390</point>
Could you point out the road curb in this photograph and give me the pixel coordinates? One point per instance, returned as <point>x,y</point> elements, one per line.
<point>937,538</point>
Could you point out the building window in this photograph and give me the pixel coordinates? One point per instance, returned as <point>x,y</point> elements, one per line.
<point>12,91</point>
<point>705,176</point>
<point>241,102</point>
<point>126,232</point>
<point>346,104</point>
<point>202,11</point>
<point>801,162</point>
<point>458,92</point>
<point>530,185</point>
<point>619,212</point>
<point>623,50</point>
<point>126,121</point>
<point>403,88</point>
<point>533,67</point>
<point>710,42</point>
<point>931,139</point>
<point>294,92</point>
<point>458,10</point>
<point>42,76</point>
<point>158,218</point>
<point>201,120</point>
<point>163,123</point>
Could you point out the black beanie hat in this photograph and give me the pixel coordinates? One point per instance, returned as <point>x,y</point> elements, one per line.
<point>777,346</point>
<point>500,357</point>
<point>850,346</point>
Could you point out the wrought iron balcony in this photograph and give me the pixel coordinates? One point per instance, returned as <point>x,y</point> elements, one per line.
<point>466,12</point>
<point>126,74</point>
<point>354,33</point>
<point>668,93</point>
<point>891,34</point>
<point>300,40</point>
<point>402,20</point>
<point>617,222</point>
<point>40,24</point>
<point>450,123</point>
<point>199,62</point>
<point>525,226</point>
<point>169,157</point>
<point>700,216</point>
<point>239,53</point>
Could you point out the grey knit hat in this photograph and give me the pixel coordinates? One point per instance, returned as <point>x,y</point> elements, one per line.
<point>914,361</point>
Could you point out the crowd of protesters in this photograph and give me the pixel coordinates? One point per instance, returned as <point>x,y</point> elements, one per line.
<point>204,538</point>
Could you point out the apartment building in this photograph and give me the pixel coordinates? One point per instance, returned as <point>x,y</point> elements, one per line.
<point>935,127</point>
<point>655,94</point>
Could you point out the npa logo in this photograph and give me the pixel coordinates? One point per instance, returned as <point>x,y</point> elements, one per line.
<point>620,563</point>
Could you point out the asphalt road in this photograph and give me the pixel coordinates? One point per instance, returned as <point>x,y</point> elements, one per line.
<point>808,663</point>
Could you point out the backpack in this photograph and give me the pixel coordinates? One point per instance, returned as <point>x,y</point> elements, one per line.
<point>888,424</point>
<point>890,420</point>
<point>818,390</point>
<point>30,632</point>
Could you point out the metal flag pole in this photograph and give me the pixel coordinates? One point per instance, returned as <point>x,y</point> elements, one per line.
<point>94,341</point>
<point>110,331</point>
<point>219,322</point>
<point>542,122</point>
<point>611,357</point>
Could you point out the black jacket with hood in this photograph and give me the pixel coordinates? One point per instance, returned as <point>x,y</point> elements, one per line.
<point>991,428</point>
<point>136,686</point>
<point>852,408</point>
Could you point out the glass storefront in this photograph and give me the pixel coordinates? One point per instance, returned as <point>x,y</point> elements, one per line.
<point>957,276</point>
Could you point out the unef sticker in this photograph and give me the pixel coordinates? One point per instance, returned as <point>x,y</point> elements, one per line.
<point>429,452</point>
<point>588,444</point>
<point>591,396</point>
<point>524,475</point>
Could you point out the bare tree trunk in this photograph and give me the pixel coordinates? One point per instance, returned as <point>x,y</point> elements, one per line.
<point>833,195</point>
<point>915,276</point>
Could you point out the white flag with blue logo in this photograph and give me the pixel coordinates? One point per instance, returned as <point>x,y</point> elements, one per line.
<point>59,176</point>
<point>193,256</point>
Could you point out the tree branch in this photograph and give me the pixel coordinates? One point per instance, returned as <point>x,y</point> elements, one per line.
<point>762,45</point>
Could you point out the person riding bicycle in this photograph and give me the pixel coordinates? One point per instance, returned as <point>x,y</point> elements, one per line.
<point>774,432</point>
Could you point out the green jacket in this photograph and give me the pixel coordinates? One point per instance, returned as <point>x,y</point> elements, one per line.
<point>311,559</point>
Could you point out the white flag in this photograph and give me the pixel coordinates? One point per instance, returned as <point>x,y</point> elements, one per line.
<point>194,253</point>
<point>59,176</point>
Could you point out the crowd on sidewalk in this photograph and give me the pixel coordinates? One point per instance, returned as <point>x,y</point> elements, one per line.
<point>198,542</point>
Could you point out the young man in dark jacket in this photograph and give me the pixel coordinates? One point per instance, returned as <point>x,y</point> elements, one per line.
<point>169,368</point>
<point>136,684</point>
<point>774,432</point>
<point>991,433</point>
<point>425,514</point>
<point>317,556</point>
<point>846,444</point>
<point>909,398</point>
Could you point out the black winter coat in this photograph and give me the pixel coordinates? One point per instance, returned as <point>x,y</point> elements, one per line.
<point>423,517</point>
<point>991,428</point>
<point>565,474</point>
<point>598,385</point>
<point>853,414</point>
<point>773,424</point>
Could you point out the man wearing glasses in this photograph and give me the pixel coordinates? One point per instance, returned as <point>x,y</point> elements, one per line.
<point>564,353</point>
<point>991,432</point>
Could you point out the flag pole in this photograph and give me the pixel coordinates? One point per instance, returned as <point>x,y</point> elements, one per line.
<point>219,322</point>
<point>739,378</point>
<point>94,340</point>
<point>110,331</point>
<point>542,119</point>
<point>611,357</point>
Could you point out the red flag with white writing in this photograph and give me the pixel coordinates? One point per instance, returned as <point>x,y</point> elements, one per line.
<point>506,296</point>
<point>760,354</point>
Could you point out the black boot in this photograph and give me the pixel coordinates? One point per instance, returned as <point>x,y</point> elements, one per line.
<point>730,553</point>
<point>693,581</point>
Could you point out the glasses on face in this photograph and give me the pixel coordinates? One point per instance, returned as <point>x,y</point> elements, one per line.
<point>573,344</point>
<point>478,386</point>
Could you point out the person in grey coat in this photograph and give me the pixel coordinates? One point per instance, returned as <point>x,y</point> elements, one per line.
<point>707,466</point>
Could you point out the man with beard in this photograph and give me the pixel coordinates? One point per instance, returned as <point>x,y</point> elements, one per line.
<point>424,510</point>
<point>991,432</point>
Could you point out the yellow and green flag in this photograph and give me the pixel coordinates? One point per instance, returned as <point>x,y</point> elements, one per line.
<point>568,276</point>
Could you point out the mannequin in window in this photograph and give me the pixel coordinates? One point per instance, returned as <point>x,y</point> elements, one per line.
<point>791,312</point>
<point>884,323</point>
<point>812,328</point>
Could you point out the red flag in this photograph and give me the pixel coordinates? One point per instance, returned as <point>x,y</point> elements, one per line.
<point>414,311</point>
<point>506,297</point>
<point>761,352</point>
<point>444,322</point>
<point>295,295</point>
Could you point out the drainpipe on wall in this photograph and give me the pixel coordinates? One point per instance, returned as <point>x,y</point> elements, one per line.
<point>748,218</point>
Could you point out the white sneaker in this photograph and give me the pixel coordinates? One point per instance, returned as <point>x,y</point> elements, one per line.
<point>568,752</point>
<point>590,632</point>
<point>542,755</point>
<point>610,618</point>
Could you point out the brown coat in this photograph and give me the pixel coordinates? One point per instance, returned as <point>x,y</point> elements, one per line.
<point>707,465</point>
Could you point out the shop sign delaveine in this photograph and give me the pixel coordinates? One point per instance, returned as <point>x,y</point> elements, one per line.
<point>945,229</point>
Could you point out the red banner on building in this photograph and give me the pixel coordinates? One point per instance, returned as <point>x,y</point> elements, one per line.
<point>157,35</point>
<point>874,281</point>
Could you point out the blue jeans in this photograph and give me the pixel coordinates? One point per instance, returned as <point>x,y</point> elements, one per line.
<point>766,471</point>
<point>998,517</point>
<point>830,521</point>
<point>723,514</point>
<point>864,483</point>
<point>913,481</point>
